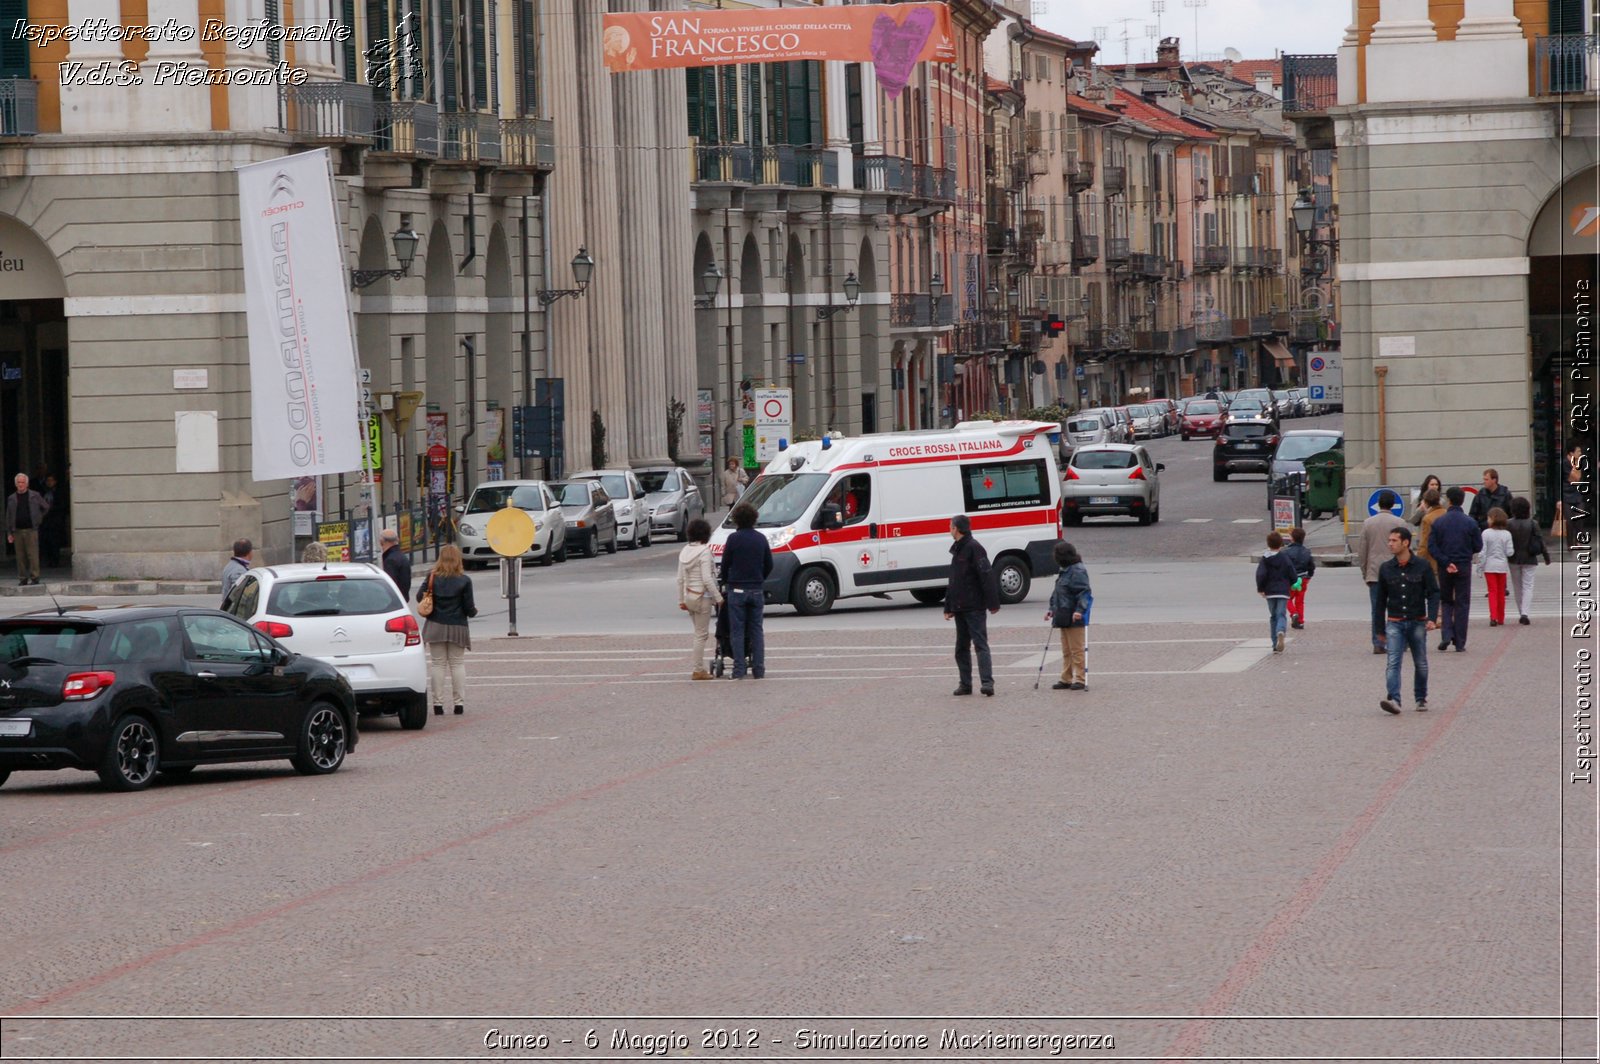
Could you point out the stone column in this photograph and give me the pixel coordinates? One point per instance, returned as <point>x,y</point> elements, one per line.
<point>641,212</point>
<point>166,101</point>
<point>93,108</point>
<point>1403,22</point>
<point>1489,19</point>
<point>675,253</point>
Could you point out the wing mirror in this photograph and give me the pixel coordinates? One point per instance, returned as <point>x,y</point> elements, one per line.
<point>829,517</point>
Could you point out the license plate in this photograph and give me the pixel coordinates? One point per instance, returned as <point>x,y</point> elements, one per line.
<point>358,672</point>
<point>16,728</point>
<point>1248,446</point>
<point>1102,500</point>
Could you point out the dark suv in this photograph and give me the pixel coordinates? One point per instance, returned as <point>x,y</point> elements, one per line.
<point>1243,446</point>
<point>130,691</point>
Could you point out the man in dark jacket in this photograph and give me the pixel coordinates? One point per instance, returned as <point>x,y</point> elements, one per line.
<point>1491,495</point>
<point>746,564</point>
<point>396,562</point>
<point>972,590</point>
<point>25,512</point>
<point>1411,610</point>
<point>1451,544</point>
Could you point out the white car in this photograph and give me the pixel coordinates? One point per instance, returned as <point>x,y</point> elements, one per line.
<point>627,499</point>
<point>350,615</point>
<point>534,498</point>
<point>1113,478</point>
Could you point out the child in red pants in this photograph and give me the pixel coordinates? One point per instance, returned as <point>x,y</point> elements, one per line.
<point>1496,563</point>
<point>1304,566</point>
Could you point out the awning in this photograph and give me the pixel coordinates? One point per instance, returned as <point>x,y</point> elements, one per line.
<point>1279,353</point>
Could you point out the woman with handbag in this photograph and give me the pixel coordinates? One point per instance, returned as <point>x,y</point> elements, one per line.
<point>697,588</point>
<point>445,601</point>
<point>1527,547</point>
<point>733,482</point>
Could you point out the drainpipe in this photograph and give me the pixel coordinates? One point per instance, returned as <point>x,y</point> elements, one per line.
<point>1383,429</point>
<point>527,332</point>
<point>469,436</point>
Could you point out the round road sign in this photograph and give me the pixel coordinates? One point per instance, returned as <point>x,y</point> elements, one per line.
<point>1318,364</point>
<point>510,532</point>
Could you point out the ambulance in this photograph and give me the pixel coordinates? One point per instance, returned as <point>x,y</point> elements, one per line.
<point>869,515</point>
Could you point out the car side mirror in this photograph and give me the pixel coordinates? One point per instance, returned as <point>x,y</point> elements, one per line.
<point>461,508</point>
<point>639,494</point>
<point>829,517</point>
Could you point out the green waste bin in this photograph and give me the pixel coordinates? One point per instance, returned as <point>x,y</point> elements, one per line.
<point>1324,483</point>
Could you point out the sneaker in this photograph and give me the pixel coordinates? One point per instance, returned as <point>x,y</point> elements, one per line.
<point>700,674</point>
<point>1422,705</point>
<point>1061,685</point>
<point>1278,645</point>
<point>1523,620</point>
<point>1389,705</point>
<point>1297,624</point>
<point>964,689</point>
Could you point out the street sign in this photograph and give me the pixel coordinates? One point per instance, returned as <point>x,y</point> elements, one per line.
<point>1399,507</point>
<point>510,532</point>
<point>774,420</point>
<point>1283,515</point>
<point>1325,377</point>
<point>797,358</point>
<point>1317,393</point>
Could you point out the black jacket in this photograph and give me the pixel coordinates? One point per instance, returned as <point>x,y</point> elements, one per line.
<point>972,583</point>
<point>1070,596</point>
<point>452,599</point>
<point>1299,555</point>
<point>746,560</point>
<point>397,563</point>
<point>1485,501</point>
<point>1410,593</point>
<point>1527,545</point>
<point>1275,575</point>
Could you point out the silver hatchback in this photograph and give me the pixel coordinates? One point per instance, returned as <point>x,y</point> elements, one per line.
<point>1113,479</point>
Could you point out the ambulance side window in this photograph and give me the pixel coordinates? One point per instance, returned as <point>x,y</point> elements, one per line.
<point>851,499</point>
<point>1004,485</point>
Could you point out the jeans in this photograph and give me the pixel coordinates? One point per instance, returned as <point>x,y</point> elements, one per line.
<point>1412,634</point>
<point>1277,617</point>
<point>972,633</point>
<point>1375,593</point>
<point>744,627</point>
<point>1455,596</point>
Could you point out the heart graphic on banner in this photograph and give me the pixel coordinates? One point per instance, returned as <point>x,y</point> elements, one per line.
<point>896,47</point>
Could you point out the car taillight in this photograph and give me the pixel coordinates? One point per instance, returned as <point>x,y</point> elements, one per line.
<point>1272,441</point>
<point>406,624</point>
<point>1219,439</point>
<point>1137,474</point>
<point>82,686</point>
<point>1072,474</point>
<point>276,629</point>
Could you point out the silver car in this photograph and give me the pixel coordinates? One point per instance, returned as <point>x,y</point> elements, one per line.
<point>590,518</point>
<point>1149,421</point>
<point>671,498</point>
<point>627,496</point>
<point>1086,428</point>
<point>1114,479</point>
<point>534,498</point>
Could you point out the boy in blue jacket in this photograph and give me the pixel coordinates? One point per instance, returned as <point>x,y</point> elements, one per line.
<point>1275,577</point>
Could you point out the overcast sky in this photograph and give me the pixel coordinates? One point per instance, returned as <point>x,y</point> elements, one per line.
<point>1258,28</point>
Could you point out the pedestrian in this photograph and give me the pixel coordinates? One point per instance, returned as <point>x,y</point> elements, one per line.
<point>237,565</point>
<point>1433,503</point>
<point>1429,483</point>
<point>1495,564</point>
<point>445,629</point>
<point>25,512</point>
<point>746,564</point>
<point>53,529</point>
<point>396,562</point>
<point>1275,579</point>
<point>1069,612</point>
<point>1492,494</point>
<point>1411,611</point>
<point>1305,567</point>
<point>733,482</point>
<point>972,589</point>
<point>1454,541</point>
<point>697,589</point>
<point>1527,547</point>
<point>1371,553</point>
<point>315,552</point>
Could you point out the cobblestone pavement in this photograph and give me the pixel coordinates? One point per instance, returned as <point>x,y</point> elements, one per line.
<point>1216,852</point>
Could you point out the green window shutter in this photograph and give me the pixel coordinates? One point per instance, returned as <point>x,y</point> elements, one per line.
<point>347,49</point>
<point>478,13</point>
<point>853,107</point>
<point>691,80</point>
<point>447,58</point>
<point>729,104</point>
<point>814,124</point>
<point>379,45</point>
<point>1566,17</point>
<point>752,104</point>
<point>13,51</point>
<point>528,59</point>
<point>797,105</point>
<point>274,17</point>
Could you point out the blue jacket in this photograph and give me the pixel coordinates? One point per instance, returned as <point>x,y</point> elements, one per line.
<point>1070,596</point>
<point>1300,556</point>
<point>1275,575</point>
<point>746,560</point>
<point>1455,539</point>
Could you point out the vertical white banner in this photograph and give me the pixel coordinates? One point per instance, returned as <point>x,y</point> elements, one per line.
<point>297,313</point>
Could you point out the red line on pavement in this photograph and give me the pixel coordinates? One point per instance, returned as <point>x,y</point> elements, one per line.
<point>1192,1037</point>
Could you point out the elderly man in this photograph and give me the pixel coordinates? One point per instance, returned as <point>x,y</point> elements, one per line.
<point>396,562</point>
<point>237,565</point>
<point>25,512</point>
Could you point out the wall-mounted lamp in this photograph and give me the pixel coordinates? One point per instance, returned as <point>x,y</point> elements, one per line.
<point>405,240</point>
<point>710,283</point>
<point>1304,212</point>
<point>582,270</point>
<point>852,292</point>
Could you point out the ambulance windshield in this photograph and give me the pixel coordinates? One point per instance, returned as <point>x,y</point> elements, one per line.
<point>783,498</point>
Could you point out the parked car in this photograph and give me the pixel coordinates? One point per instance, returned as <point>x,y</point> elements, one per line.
<point>1122,424</point>
<point>1283,404</point>
<point>1111,479</point>
<point>350,615</point>
<point>1149,421</point>
<point>1289,458</point>
<point>627,497</point>
<point>671,498</point>
<point>532,497</point>
<point>132,691</point>
<point>1200,418</point>
<point>1302,404</point>
<point>590,518</point>
<point>1086,428</point>
<point>1243,445</point>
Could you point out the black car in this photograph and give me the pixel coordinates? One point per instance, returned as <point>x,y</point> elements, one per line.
<point>1243,446</point>
<point>130,691</point>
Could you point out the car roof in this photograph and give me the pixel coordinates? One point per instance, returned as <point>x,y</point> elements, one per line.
<point>1314,432</point>
<point>110,614</point>
<point>508,484</point>
<point>587,473</point>
<point>1109,447</point>
<point>312,570</point>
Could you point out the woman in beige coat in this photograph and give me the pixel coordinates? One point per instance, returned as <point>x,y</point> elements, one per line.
<point>733,482</point>
<point>697,588</point>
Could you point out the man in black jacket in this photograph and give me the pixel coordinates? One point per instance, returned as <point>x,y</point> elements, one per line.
<point>972,590</point>
<point>746,564</point>
<point>396,562</point>
<point>1492,494</point>
<point>1410,595</point>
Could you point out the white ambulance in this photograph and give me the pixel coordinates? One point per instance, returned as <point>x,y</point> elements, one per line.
<point>867,515</point>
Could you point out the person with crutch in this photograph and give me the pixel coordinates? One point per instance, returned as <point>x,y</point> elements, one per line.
<point>1069,613</point>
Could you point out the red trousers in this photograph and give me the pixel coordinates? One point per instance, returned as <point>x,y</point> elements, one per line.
<point>1497,596</point>
<point>1297,604</point>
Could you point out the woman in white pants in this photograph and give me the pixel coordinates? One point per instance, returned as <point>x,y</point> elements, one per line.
<point>1526,548</point>
<point>445,630</point>
<point>697,589</point>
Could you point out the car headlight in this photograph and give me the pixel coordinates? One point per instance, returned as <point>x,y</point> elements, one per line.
<point>782,538</point>
<point>666,508</point>
<point>469,530</point>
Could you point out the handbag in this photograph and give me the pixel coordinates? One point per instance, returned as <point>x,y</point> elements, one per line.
<point>425,600</point>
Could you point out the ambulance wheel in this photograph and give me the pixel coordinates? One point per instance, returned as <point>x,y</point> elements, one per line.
<point>1011,573</point>
<point>928,596</point>
<point>813,591</point>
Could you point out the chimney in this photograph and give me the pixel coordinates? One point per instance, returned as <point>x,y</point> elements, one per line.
<point>1264,83</point>
<point>1167,51</point>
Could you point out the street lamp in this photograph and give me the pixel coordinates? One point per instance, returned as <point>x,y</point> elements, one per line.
<point>582,270</point>
<point>405,240</point>
<point>935,293</point>
<point>852,292</point>
<point>710,283</point>
<point>1305,213</point>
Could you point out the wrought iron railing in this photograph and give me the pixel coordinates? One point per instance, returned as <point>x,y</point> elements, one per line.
<point>883,173</point>
<point>1113,179</point>
<point>469,137</point>
<point>528,143</point>
<point>19,107</point>
<point>1566,64</point>
<point>1085,249</point>
<point>1310,83</point>
<point>913,310</point>
<point>1182,341</point>
<point>1216,329</point>
<point>728,163</point>
<point>328,111</point>
<point>405,127</point>
<point>1260,325</point>
<point>1117,250</point>
<point>1081,179</point>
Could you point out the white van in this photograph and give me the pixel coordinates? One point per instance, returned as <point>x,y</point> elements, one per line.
<point>867,515</point>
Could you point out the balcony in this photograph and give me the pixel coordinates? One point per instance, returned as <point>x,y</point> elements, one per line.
<point>1260,325</point>
<point>883,173</point>
<point>1309,330</point>
<point>1566,64</point>
<point>1000,238</point>
<point>1272,261</point>
<point>1239,328</point>
<point>786,164</point>
<point>326,112</point>
<point>1210,258</point>
<point>19,107</point>
<point>1085,250</point>
<point>1111,338</point>
<point>405,127</point>
<point>912,310</point>
<point>1114,180</point>
<point>1080,179</point>
<point>1211,331</point>
<point>1243,184</point>
<point>469,137</point>
<point>1038,163</point>
<point>528,143</point>
<point>1142,264</point>
<point>1182,341</point>
<point>1248,259</point>
<point>1310,83</point>
<point>933,183</point>
<point>1117,251</point>
<point>723,164</point>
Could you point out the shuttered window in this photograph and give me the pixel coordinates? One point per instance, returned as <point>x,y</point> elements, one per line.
<point>446,58</point>
<point>527,29</point>
<point>1566,17</point>
<point>379,46</point>
<point>13,50</point>
<point>481,15</point>
<point>348,57</point>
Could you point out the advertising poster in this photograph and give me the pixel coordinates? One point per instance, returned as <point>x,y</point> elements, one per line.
<point>306,493</point>
<point>335,535</point>
<point>496,437</point>
<point>705,407</point>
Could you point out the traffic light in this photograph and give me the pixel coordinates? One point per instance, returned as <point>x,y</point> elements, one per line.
<point>1054,325</point>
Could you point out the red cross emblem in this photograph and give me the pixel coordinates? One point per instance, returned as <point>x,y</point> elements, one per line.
<point>988,482</point>
<point>866,558</point>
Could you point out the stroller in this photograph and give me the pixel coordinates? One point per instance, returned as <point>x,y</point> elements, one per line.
<point>724,638</point>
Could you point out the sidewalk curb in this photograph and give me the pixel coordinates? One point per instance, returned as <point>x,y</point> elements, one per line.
<point>112,588</point>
